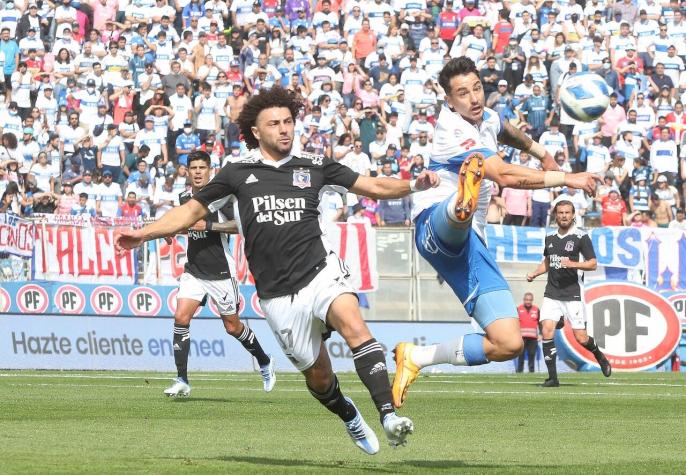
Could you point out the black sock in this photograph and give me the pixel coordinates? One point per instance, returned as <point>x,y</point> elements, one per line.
<point>334,401</point>
<point>592,347</point>
<point>250,343</point>
<point>550,357</point>
<point>370,365</point>
<point>182,345</point>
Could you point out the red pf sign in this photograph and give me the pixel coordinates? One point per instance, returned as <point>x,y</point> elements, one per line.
<point>635,327</point>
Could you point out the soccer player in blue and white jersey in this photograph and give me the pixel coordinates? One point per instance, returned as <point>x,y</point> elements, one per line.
<point>450,222</point>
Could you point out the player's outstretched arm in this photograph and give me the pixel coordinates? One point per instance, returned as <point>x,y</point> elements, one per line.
<point>228,227</point>
<point>386,188</point>
<point>540,270</point>
<point>517,176</point>
<point>171,223</point>
<point>514,137</point>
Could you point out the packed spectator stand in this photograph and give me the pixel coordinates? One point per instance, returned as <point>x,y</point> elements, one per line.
<point>101,101</point>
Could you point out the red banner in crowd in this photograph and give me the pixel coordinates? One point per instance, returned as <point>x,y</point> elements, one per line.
<point>16,235</point>
<point>80,254</point>
<point>354,243</point>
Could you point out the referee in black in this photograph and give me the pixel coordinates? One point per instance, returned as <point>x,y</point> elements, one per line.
<point>304,288</point>
<point>563,297</point>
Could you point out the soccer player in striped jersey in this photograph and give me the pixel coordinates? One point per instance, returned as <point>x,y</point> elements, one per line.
<point>564,292</point>
<point>450,221</point>
<point>210,272</point>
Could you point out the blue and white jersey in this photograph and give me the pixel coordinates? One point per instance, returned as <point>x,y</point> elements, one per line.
<point>645,32</point>
<point>553,143</point>
<point>454,140</point>
<point>109,199</point>
<point>585,131</point>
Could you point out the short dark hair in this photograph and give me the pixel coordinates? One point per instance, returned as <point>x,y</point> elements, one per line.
<point>456,67</point>
<point>275,97</point>
<point>199,155</point>
<point>83,195</point>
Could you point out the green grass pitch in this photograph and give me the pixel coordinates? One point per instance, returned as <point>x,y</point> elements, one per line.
<point>119,422</point>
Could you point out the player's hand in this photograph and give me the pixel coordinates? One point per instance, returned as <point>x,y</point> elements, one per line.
<point>583,181</point>
<point>127,239</point>
<point>168,240</point>
<point>427,179</point>
<point>566,263</point>
<point>530,277</point>
<point>199,226</point>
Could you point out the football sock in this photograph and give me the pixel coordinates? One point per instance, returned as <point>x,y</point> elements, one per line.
<point>593,347</point>
<point>443,221</point>
<point>370,364</point>
<point>250,343</point>
<point>334,401</point>
<point>182,345</point>
<point>467,350</point>
<point>550,358</point>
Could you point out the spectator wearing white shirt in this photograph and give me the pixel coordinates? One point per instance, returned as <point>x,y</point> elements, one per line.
<point>109,196</point>
<point>663,156</point>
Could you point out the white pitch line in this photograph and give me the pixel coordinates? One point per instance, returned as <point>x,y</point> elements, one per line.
<point>456,381</point>
<point>364,391</point>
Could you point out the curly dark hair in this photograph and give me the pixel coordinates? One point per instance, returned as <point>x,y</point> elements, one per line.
<point>456,67</point>
<point>275,97</point>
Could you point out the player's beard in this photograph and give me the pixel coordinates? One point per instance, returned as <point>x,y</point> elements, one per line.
<point>278,147</point>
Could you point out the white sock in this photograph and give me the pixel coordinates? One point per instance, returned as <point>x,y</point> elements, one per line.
<point>449,352</point>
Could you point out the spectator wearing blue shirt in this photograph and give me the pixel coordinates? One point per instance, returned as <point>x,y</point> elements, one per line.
<point>536,112</point>
<point>11,50</point>
<point>194,9</point>
<point>82,207</point>
<point>186,142</point>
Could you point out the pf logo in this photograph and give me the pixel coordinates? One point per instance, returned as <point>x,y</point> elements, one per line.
<point>106,300</point>
<point>32,298</point>
<point>145,302</point>
<point>5,301</point>
<point>635,327</point>
<point>678,301</point>
<point>70,299</point>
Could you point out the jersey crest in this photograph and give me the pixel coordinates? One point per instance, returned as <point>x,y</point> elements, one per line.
<point>569,246</point>
<point>301,178</point>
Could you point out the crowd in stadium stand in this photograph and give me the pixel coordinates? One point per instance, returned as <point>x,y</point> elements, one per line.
<point>102,100</point>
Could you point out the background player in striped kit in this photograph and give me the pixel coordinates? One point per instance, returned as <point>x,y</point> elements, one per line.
<point>210,272</point>
<point>563,295</point>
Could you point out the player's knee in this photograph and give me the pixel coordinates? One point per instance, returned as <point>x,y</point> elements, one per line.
<point>233,325</point>
<point>182,319</point>
<point>508,347</point>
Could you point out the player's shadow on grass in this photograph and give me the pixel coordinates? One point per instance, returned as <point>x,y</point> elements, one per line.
<point>276,462</point>
<point>186,400</point>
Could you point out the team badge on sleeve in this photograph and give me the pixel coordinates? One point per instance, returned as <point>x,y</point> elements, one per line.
<point>301,178</point>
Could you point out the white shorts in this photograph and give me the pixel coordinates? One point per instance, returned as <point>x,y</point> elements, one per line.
<point>299,320</point>
<point>224,292</point>
<point>574,311</point>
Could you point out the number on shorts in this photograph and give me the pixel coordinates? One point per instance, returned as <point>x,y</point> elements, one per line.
<point>285,338</point>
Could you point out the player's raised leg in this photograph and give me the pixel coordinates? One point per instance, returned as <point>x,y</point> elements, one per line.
<point>370,364</point>
<point>459,255</point>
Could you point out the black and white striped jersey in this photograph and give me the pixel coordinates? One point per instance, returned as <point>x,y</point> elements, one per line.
<point>563,283</point>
